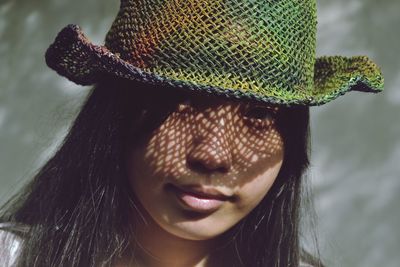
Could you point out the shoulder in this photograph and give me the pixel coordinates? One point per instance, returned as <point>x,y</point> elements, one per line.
<point>10,243</point>
<point>304,264</point>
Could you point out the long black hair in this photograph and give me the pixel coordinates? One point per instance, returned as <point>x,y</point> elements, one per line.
<point>76,206</point>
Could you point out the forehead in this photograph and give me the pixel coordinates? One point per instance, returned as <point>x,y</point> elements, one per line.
<point>197,111</point>
<point>161,97</point>
<point>207,99</point>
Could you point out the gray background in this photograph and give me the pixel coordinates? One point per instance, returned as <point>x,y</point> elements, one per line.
<point>356,149</point>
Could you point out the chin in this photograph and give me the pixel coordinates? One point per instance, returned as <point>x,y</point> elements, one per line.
<point>206,228</point>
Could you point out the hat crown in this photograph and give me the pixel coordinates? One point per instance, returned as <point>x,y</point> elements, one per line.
<point>228,43</point>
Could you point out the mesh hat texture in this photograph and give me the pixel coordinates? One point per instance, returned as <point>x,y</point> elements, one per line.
<point>255,49</point>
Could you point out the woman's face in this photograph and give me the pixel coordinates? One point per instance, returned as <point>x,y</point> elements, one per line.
<point>206,166</point>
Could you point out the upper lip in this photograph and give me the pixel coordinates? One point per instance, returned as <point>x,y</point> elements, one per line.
<point>204,192</point>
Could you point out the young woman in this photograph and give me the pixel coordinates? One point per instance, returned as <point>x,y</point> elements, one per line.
<point>191,148</point>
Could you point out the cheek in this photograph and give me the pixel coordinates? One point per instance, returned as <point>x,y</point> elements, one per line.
<point>163,154</point>
<point>252,192</point>
<point>259,163</point>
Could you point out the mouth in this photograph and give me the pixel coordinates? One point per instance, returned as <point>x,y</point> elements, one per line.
<point>198,198</point>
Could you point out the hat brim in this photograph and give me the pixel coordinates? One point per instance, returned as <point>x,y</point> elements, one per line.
<point>73,56</point>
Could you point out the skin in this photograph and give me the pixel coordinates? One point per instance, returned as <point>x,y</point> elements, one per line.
<point>233,147</point>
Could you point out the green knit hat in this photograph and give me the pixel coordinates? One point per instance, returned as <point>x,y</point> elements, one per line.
<point>254,49</point>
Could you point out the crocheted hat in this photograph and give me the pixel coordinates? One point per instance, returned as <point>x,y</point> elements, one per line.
<point>255,49</point>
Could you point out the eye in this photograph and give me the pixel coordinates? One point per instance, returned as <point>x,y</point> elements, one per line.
<point>260,113</point>
<point>259,117</point>
<point>185,105</point>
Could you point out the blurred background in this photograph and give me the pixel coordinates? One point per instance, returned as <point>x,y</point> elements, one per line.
<point>355,170</point>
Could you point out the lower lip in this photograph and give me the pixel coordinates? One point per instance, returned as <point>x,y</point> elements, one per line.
<point>196,203</point>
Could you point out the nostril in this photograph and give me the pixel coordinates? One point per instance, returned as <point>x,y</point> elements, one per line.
<point>206,169</point>
<point>209,155</point>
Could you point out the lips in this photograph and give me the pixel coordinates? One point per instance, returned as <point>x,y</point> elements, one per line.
<point>198,198</point>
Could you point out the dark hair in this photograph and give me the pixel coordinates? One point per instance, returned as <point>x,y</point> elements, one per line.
<point>76,205</point>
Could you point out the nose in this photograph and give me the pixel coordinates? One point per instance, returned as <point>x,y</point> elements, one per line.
<point>211,150</point>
